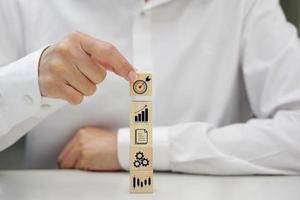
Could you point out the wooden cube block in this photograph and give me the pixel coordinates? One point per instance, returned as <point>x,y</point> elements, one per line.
<point>141,181</point>
<point>141,159</point>
<point>141,135</point>
<point>140,112</point>
<point>142,86</point>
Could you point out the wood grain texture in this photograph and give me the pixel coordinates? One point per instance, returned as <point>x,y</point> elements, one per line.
<point>142,86</point>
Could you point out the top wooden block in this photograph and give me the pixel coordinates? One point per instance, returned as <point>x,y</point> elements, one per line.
<point>142,86</point>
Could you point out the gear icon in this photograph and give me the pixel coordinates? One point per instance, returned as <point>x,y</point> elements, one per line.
<point>137,163</point>
<point>139,155</point>
<point>145,162</point>
<point>140,160</point>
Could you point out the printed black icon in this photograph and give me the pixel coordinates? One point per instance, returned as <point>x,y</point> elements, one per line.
<point>140,86</point>
<point>141,136</point>
<point>141,115</point>
<point>140,160</point>
<point>136,182</point>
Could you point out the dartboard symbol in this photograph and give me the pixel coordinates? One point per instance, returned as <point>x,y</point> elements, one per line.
<point>140,87</point>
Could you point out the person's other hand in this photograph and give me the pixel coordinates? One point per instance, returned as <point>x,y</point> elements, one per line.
<point>71,68</point>
<point>91,149</point>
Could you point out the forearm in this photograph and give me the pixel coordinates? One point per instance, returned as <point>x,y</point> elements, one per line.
<point>22,105</point>
<point>260,146</point>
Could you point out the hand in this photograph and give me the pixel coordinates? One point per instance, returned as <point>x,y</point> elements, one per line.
<point>91,149</point>
<point>71,68</point>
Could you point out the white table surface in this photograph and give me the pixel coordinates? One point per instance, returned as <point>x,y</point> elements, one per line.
<point>77,185</point>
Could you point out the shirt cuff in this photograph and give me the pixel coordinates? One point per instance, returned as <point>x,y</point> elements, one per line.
<point>20,94</point>
<point>123,147</point>
<point>49,106</point>
<point>160,148</point>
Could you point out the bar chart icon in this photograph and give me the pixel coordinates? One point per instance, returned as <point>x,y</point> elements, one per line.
<point>141,115</point>
<point>136,182</point>
<point>141,112</point>
<point>141,181</point>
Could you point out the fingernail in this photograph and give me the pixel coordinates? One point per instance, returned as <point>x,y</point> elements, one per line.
<point>132,76</point>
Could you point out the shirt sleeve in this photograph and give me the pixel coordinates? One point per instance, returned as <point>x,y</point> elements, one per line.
<point>268,143</point>
<point>21,104</point>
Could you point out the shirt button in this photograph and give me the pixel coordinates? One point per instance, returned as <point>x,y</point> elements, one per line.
<point>46,106</point>
<point>27,99</point>
<point>142,13</point>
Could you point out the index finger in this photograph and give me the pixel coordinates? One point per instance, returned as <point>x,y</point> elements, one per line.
<point>108,56</point>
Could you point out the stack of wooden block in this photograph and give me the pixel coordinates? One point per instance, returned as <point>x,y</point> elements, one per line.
<point>141,168</point>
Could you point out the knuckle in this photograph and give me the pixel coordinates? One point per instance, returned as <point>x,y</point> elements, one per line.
<point>76,99</point>
<point>62,48</point>
<point>73,36</point>
<point>108,47</point>
<point>81,133</point>
<point>125,65</point>
<point>91,90</point>
<point>102,76</point>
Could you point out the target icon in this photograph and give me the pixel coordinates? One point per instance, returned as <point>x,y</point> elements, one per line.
<point>140,87</point>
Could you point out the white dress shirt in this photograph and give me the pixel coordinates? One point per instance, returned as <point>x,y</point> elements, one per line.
<point>226,74</point>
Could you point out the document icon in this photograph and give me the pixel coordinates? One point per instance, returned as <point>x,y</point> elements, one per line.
<point>141,136</point>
